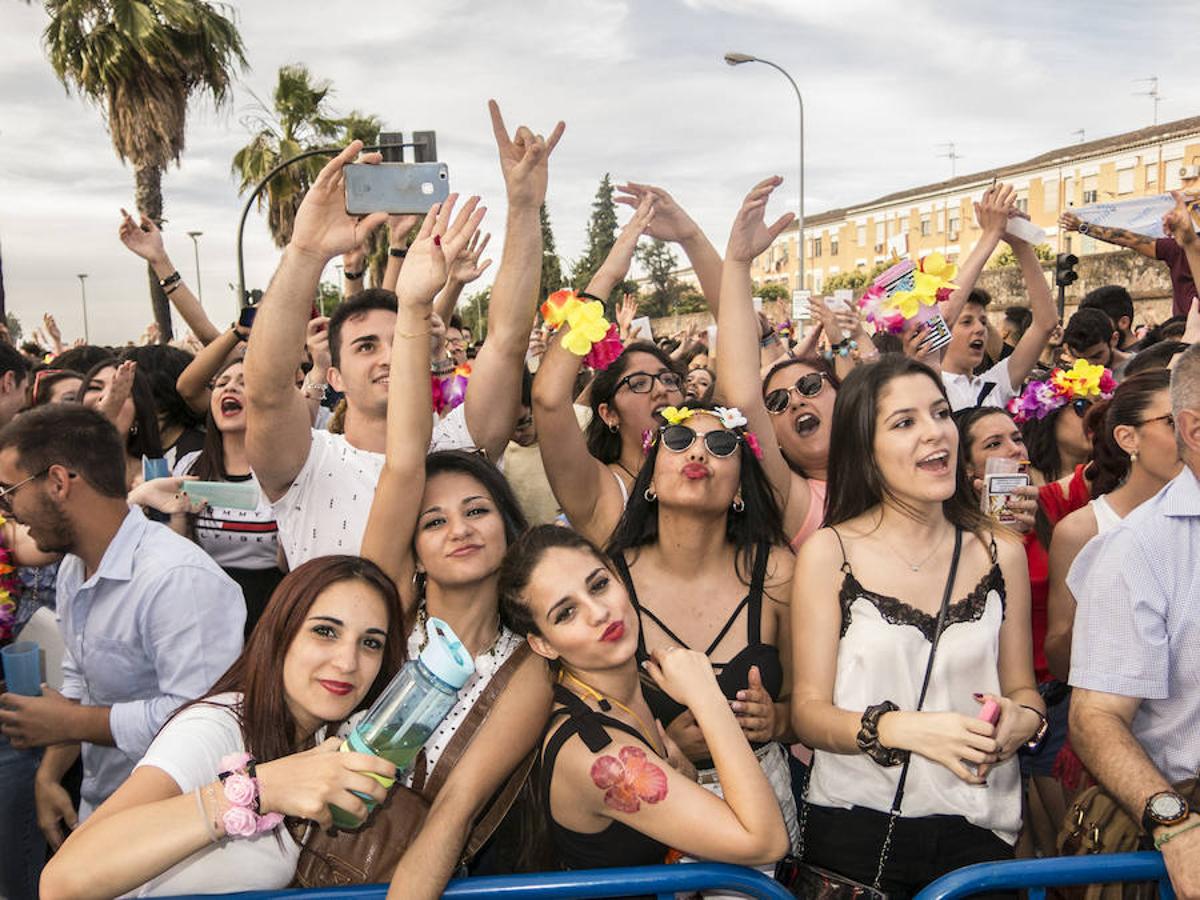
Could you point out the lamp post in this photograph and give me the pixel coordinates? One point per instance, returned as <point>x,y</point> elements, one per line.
<point>195,236</point>
<point>83,294</point>
<point>736,59</point>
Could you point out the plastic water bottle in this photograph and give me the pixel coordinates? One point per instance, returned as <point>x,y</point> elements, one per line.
<point>409,710</point>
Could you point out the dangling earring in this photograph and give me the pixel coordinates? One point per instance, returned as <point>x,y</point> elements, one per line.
<point>1133,456</point>
<point>738,504</point>
<point>614,428</point>
<point>650,495</point>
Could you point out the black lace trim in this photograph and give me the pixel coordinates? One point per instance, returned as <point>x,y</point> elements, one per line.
<point>896,612</point>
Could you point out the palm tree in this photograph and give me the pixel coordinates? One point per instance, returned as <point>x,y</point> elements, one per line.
<point>300,120</point>
<point>140,61</point>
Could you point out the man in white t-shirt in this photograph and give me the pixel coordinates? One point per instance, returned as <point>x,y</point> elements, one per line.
<point>322,484</point>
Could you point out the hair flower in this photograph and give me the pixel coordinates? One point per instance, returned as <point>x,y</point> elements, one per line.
<point>588,326</point>
<point>606,350</point>
<point>731,417</point>
<point>558,306</point>
<point>751,440</point>
<point>676,415</point>
<point>649,435</point>
<point>1083,381</point>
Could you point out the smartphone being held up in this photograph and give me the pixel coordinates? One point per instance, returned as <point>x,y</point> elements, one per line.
<point>246,318</point>
<point>395,188</point>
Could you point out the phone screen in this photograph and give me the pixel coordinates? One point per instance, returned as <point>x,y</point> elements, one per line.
<point>246,319</point>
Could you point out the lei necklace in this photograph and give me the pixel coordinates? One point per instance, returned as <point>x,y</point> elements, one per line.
<point>8,600</point>
<point>1083,381</point>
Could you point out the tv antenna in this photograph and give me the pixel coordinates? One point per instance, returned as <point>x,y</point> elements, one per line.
<point>1152,93</point>
<point>950,154</point>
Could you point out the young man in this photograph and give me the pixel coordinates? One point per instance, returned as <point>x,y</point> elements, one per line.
<point>14,379</point>
<point>148,619</point>
<point>1091,335</point>
<point>1115,302</point>
<point>322,484</point>
<point>1135,649</point>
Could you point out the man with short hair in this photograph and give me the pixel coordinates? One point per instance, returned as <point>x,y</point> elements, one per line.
<point>1115,302</point>
<point>1135,655</point>
<point>1091,335</point>
<point>148,619</point>
<point>14,379</point>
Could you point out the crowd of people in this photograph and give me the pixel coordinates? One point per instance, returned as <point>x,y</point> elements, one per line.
<point>758,603</point>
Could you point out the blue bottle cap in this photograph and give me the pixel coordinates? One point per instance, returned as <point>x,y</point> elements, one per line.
<point>445,656</point>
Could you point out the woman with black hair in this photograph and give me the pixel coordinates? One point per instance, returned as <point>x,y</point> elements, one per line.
<point>889,687</point>
<point>122,393</point>
<point>179,425</point>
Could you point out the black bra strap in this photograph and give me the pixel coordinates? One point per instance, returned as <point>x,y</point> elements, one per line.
<point>845,562</point>
<point>623,570</point>
<point>754,624</point>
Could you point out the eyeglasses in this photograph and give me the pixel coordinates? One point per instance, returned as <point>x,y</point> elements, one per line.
<point>1080,406</point>
<point>720,443</point>
<point>6,493</point>
<point>643,382</point>
<point>1169,418</point>
<point>808,385</point>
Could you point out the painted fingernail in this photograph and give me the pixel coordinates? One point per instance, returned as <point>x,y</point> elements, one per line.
<point>977,696</point>
<point>437,239</point>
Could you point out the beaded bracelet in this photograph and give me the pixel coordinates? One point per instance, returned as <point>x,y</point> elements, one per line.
<point>842,348</point>
<point>244,817</point>
<point>1160,842</point>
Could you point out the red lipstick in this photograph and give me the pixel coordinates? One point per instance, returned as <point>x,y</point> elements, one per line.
<point>340,688</point>
<point>613,632</point>
<point>695,471</point>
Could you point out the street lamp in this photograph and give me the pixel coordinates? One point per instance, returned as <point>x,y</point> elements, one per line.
<point>736,59</point>
<point>83,293</point>
<point>195,235</point>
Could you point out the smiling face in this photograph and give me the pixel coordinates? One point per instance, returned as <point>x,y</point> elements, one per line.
<point>581,610</point>
<point>228,401</point>
<point>916,443</point>
<point>95,391</point>
<point>994,436</point>
<point>31,505</point>
<point>694,477</point>
<point>802,430</point>
<point>456,345</point>
<point>968,337</point>
<point>460,532</point>
<point>634,412</point>
<point>364,361</point>
<point>699,384</point>
<point>332,661</point>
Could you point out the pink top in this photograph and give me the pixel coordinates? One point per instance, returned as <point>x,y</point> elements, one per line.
<point>814,517</point>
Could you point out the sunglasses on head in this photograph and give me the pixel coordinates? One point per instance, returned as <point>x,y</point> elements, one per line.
<point>808,385</point>
<point>643,382</point>
<point>720,443</point>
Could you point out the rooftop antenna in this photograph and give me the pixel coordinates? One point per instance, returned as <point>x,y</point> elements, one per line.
<point>1079,132</point>
<point>950,154</point>
<point>1152,93</point>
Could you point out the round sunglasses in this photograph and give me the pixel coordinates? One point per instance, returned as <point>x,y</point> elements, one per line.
<point>808,385</point>
<point>720,443</point>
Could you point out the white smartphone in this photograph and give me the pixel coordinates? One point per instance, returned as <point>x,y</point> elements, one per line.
<point>395,187</point>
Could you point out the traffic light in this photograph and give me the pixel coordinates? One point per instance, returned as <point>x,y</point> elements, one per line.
<point>1064,269</point>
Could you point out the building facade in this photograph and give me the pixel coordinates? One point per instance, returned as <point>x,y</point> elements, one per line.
<point>940,217</point>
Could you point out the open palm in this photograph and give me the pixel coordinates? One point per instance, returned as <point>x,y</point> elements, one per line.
<point>750,234</point>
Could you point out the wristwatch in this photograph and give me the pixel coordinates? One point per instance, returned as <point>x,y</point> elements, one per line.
<point>1083,227</point>
<point>1034,744</point>
<point>868,736</point>
<point>1165,808</point>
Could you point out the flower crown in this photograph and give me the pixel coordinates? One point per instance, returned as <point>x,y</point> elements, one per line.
<point>730,417</point>
<point>1041,398</point>
<point>591,336</point>
<point>898,294</point>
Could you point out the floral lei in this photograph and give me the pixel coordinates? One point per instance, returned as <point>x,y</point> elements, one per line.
<point>730,417</point>
<point>8,600</point>
<point>1041,398</point>
<point>450,390</point>
<point>591,335</point>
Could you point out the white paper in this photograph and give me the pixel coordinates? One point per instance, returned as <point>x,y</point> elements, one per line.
<point>801,310</point>
<point>1142,215</point>
<point>639,329</point>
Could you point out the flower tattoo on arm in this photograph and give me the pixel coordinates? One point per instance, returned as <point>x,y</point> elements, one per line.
<point>628,779</point>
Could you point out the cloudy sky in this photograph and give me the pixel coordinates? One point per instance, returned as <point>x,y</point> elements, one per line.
<point>641,86</point>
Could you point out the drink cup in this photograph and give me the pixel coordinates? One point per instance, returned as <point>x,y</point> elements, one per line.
<point>23,668</point>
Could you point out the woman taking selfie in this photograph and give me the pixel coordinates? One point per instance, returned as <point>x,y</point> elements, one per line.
<point>890,686</point>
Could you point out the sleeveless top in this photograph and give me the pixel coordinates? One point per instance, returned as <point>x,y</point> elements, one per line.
<point>617,844</point>
<point>1106,517</point>
<point>732,676</point>
<point>815,515</point>
<point>882,654</point>
<point>1057,506</point>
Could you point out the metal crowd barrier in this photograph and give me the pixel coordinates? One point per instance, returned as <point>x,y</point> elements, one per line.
<point>661,881</point>
<point>1035,875</point>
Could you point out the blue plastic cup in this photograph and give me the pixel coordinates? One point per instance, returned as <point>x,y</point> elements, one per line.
<point>23,668</point>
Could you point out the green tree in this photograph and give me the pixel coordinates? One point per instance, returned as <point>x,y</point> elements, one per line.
<point>140,61</point>
<point>665,291</point>
<point>473,312</point>
<point>552,277</point>
<point>601,235</point>
<point>329,295</point>
<point>772,291</point>
<point>855,279</point>
<point>1006,258</point>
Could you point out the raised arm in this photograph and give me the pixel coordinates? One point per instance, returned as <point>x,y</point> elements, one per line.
<point>400,229</point>
<point>1045,314</point>
<point>278,434</point>
<point>1178,224</point>
<point>146,241</point>
<point>991,212</point>
<point>464,269</point>
<point>494,395</point>
<point>397,503</point>
<point>1119,236</point>
<point>193,383</point>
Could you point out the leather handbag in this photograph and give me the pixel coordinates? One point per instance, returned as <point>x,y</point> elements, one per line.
<point>812,882</point>
<point>371,853</point>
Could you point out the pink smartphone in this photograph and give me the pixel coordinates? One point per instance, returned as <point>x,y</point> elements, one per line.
<point>990,712</point>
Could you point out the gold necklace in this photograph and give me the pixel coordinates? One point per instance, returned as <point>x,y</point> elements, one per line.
<point>605,703</point>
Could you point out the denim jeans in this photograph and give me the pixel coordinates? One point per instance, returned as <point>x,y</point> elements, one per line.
<point>22,847</point>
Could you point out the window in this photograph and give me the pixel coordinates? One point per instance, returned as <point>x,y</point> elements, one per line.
<point>816,248</point>
<point>926,226</point>
<point>952,228</point>
<point>833,246</point>
<point>862,235</point>
<point>1172,179</point>
<point>1151,173</point>
<point>1091,196</point>
<point>1023,202</point>
<point>880,232</point>
<point>1125,181</point>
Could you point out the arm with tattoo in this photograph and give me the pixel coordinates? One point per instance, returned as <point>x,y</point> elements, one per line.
<point>1119,236</point>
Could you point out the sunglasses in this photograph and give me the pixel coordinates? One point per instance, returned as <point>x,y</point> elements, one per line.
<point>643,382</point>
<point>1080,406</point>
<point>720,443</point>
<point>808,385</point>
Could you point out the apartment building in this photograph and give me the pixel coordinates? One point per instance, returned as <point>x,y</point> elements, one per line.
<point>940,217</point>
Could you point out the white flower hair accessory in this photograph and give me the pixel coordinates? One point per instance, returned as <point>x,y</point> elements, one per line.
<point>731,417</point>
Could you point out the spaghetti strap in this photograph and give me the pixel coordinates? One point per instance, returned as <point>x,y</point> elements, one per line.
<point>845,562</point>
<point>624,489</point>
<point>725,629</point>
<point>623,570</point>
<point>993,550</point>
<point>672,635</point>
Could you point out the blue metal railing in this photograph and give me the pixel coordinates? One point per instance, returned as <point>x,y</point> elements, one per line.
<point>1035,875</point>
<point>662,881</point>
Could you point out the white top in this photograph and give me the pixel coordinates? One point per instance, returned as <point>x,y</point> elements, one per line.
<point>964,390</point>
<point>882,660</point>
<point>189,750</point>
<point>236,538</point>
<point>325,510</point>
<point>1106,517</point>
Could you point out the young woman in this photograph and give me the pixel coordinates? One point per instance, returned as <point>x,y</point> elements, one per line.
<point>902,518</point>
<point>55,386</point>
<point>1135,456</point>
<point>179,425</point>
<point>607,784</point>
<point>439,526</point>
<point>699,384</point>
<point>329,642</point>
<point>123,395</point>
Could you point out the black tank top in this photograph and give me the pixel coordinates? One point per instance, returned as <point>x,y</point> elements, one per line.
<point>732,676</point>
<point>618,844</point>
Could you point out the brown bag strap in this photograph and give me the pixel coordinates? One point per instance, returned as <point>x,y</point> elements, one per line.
<point>471,724</point>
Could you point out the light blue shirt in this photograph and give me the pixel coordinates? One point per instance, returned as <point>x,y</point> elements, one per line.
<point>154,627</point>
<point>1137,626</point>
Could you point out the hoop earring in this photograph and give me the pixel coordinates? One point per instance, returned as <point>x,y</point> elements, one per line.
<point>614,428</point>
<point>650,495</point>
<point>738,504</point>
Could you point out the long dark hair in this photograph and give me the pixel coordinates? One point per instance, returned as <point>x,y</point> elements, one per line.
<point>813,361</point>
<point>210,464</point>
<point>856,484</point>
<point>144,438</point>
<point>522,558</point>
<point>759,521</point>
<point>603,444</point>
<point>1042,445</point>
<point>1110,464</point>
<point>162,365</point>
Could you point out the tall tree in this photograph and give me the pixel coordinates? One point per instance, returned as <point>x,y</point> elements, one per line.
<point>552,277</point>
<point>666,290</point>
<point>140,61</point>
<point>601,235</point>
